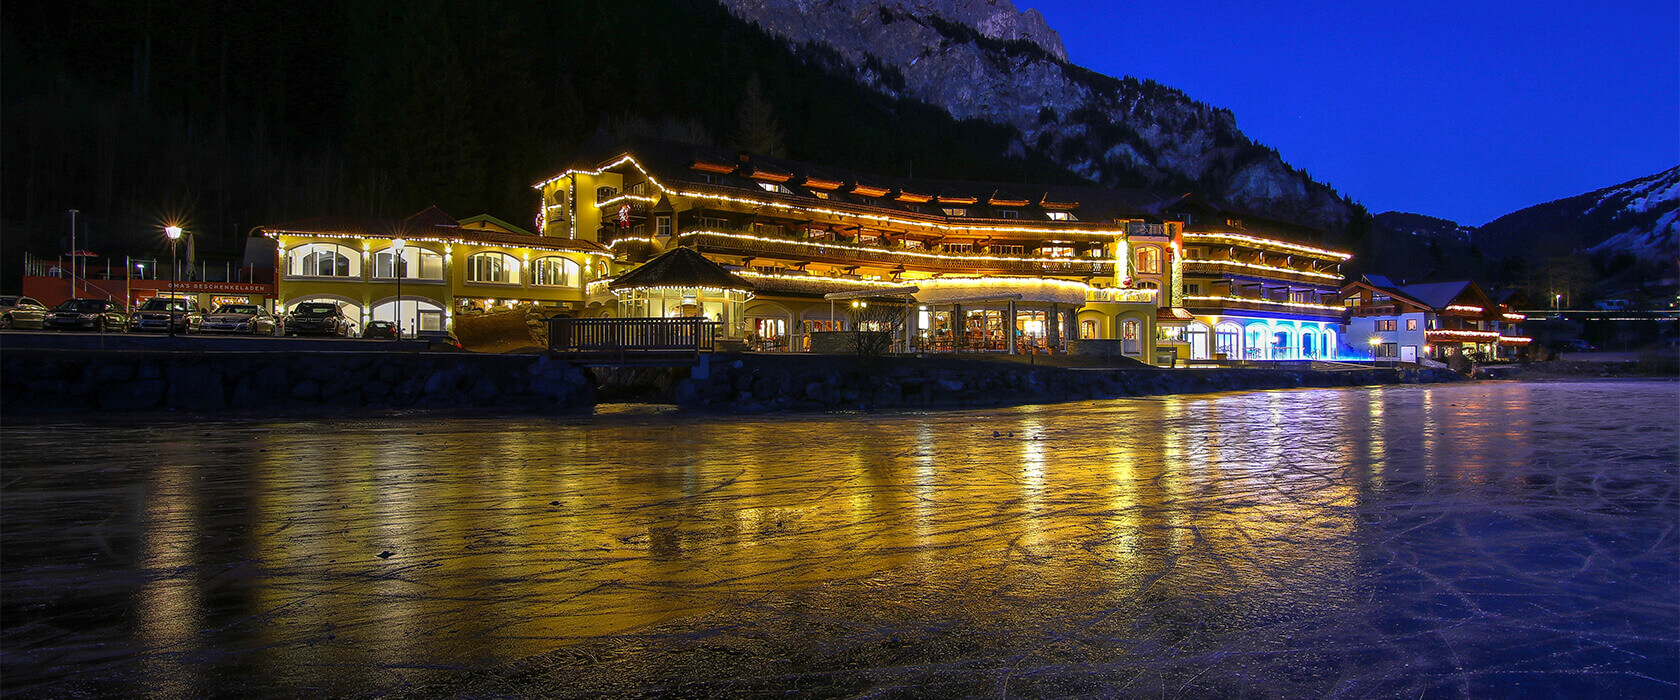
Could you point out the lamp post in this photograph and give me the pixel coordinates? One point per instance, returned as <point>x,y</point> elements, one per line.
<point>397,269</point>
<point>174,233</point>
<point>1557,305</point>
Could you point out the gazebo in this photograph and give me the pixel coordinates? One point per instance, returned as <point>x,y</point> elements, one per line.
<point>684,284</point>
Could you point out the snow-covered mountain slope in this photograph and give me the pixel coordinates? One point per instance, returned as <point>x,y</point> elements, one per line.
<point>985,59</point>
<point>1638,216</point>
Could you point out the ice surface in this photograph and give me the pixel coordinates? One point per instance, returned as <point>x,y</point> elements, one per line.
<point>1484,539</point>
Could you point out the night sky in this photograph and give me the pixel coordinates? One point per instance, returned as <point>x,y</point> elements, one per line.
<point>1462,110</point>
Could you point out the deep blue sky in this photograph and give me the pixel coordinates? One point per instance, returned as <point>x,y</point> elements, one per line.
<point>1465,110</point>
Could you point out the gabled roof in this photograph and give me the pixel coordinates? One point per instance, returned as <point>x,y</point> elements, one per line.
<point>1439,295</point>
<point>680,267</point>
<point>486,222</point>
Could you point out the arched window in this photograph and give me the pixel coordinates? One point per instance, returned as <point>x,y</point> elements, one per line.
<point>323,260</point>
<point>1089,329</point>
<point>1309,344</point>
<point>1146,285</point>
<point>554,271</point>
<point>1257,341</point>
<point>1197,334</point>
<point>1329,344</point>
<point>1148,260</point>
<point>1227,339</point>
<point>497,268</point>
<point>417,264</point>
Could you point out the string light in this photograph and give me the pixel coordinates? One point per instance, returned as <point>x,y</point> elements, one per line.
<point>1514,340</point>
<point>1464,307</point>
<point>907,253</point>
<point>1269,268</point>
<point>277,233</point>
<point>1266,242</point>
<point>1461,335</point>
<point>1266,302</point>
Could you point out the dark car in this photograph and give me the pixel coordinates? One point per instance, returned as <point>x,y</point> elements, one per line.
<point>158,313</point>
<point>87,315</point>
<point>317,318</point>
<point>22,312</point>
<point>249,319</point>
<point>380,329</point>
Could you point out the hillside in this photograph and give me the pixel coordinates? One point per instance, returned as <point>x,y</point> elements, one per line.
<point>1636,218</point>
<point>983,59</point>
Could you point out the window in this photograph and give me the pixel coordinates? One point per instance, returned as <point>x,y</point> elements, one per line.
<point>1130,330</point>
<point>955,211</point>
<point>1060,216</point>
<point>1350,302</point>
<point>912,243</point>
<point>763,229</point>
<point>958,247</point>
<point>1149,260</point>
<point>604,193</point>
<point>323,260</point>
<point>774,187</point>
<point>1387,325</point>
<point>1088,329</point>
<point>494,268</point>
<point>1056,251</point>
<point>710,179</point>
<point>1227,340</point>
<point>417,264</point>
<point>1006,249</point>
<point>820,194</point>
<point>1388,350</point>
<point>1008,214</point>
<point>713,223</point>
<point>663,225</point>
<point>1194,253</point>
<point>1192,289</point>
<point>639,189</point>
<point>1146,285</point>
<point>1411,324</point>
<point>554,272</point>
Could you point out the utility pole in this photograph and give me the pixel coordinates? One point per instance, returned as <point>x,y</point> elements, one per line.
<point>73,214</point>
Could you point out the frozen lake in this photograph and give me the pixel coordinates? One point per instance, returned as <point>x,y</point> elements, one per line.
<point>1482,539</point>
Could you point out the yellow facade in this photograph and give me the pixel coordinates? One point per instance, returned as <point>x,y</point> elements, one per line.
<point>448,269</point>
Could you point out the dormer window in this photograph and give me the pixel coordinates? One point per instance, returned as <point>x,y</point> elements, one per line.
<point>710,179</point>
<point>956,211</point>
<point>776,187</point>
<point>1060,215</point>
<point>1008,214</point>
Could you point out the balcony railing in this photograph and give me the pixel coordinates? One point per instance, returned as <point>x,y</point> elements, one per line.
<point>729,243</point>
<point>630,340</point>
<point>1258,270</point>
<point>1215,304</point>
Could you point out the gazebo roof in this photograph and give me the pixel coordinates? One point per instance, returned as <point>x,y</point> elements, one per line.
<point>680,267</point>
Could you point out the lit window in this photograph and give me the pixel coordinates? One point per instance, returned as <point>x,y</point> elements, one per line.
<point>955,211</point>
<point>664,225</point>
<point>1149,260</point>
<point>1060,216</point>
<point>774,187</point>
<point>494,268</point>
<point>323,260</point>
<point>554,272</point>
<point>1411,324</point>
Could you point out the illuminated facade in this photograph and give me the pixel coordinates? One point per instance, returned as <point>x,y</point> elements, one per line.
<point>447,267</point>
<point>1436,320</point>
<point>993,269</point>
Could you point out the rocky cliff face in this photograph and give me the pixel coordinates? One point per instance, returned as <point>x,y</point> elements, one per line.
<point>984,59</point>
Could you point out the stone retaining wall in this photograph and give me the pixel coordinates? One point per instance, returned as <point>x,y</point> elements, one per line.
<point>753,383</point>
<point>59,381</point>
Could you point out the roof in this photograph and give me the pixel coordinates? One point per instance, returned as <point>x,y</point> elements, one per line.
<point>680,267</point>
<point>1173,314</point>
<point>430,222</point>
<point>1437,295</point>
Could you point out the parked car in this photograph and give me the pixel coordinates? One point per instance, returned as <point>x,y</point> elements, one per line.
<point>87,315</point>
<point>380,329</point>
<point>22,312</point>
<point>1573,346</point>
<point>240,318</point>
<point>318,318</point>
<point>158,313</point>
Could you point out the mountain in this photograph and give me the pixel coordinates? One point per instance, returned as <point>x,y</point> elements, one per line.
<point>1421,227</point>
<point>984,59</point>
<point>1636,218</point>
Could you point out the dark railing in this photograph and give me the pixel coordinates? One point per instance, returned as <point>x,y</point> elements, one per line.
<point>631,339</point>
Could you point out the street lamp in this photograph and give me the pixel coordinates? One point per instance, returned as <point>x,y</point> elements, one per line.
<point>174,233</point>
<point>397,269</point>
<point>1557,304</point>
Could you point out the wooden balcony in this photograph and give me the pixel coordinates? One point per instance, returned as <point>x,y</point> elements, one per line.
<point>837,253</point>
<point>1237,268</point>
